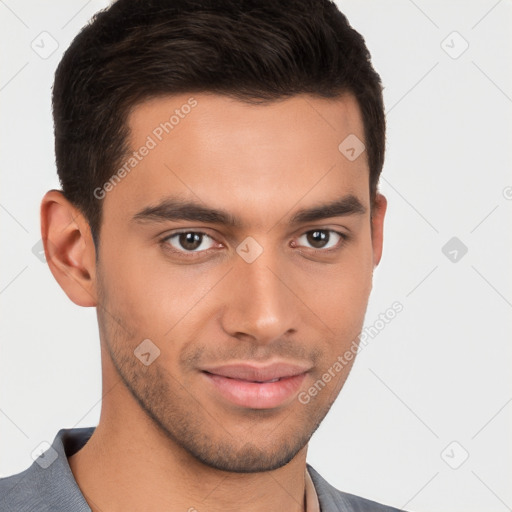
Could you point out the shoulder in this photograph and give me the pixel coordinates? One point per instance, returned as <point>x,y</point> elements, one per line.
<point>20,492</point>
<point>48,484</point>
<point>38,489</point>
<point>333,500</point>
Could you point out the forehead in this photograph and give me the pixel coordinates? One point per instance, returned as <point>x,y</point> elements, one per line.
<point>252,157</point>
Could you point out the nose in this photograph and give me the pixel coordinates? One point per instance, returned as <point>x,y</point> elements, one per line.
<point>261,299</point>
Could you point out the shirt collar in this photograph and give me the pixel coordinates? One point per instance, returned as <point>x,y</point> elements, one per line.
<point>310,495</point>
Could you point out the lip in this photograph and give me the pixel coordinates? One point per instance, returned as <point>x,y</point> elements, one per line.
<point>247,385</point>
<point>252,372</point>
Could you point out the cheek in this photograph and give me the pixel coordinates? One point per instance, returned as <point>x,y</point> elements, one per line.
<point>342,307</point>
<point>347,288</point>
<point>138,294</point>
<point>151,296</point>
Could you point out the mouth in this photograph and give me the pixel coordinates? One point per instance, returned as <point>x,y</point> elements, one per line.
<point>255,387</point>
<point>246,380</point>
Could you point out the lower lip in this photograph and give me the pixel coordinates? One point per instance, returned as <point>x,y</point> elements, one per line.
<point>266,395</point>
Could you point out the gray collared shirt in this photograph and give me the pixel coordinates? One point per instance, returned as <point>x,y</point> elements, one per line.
<point>48,485</point>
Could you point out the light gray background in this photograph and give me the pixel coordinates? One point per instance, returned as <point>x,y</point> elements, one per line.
<point>438,373</point>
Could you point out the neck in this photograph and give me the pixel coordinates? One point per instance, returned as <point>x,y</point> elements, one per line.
<point>131,464</point>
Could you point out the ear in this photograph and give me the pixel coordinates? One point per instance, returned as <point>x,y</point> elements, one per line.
<point>378,214</point>
<point>69,248</point>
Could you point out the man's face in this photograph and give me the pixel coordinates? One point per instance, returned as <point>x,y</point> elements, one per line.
<point>222,302</point>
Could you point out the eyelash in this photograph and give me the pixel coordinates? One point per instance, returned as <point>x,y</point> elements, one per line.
<point>192,254</point>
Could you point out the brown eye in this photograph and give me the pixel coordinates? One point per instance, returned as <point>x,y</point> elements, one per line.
<point>317,239</point>
<point>188,241</point>
<point>322,239</point>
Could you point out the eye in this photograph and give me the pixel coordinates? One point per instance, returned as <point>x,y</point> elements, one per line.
<point>189,241</point>
<point>196,242</point>
<point>322,239</point>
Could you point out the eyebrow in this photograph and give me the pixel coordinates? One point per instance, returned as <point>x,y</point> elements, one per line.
<point>173,208</point>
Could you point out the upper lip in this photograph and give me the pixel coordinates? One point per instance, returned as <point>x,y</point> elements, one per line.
<point>252,372</point>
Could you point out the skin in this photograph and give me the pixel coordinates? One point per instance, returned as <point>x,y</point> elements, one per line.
<point>162,430</point>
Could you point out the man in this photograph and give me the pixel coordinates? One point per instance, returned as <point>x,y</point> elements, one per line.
<point>219,164</point>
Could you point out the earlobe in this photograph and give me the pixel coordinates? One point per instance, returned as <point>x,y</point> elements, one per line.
<point>378,214</point>
<point>69,248</point>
